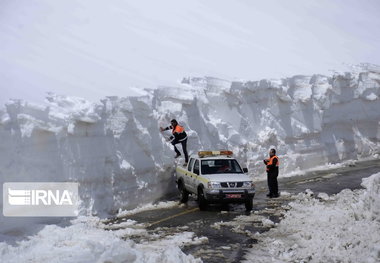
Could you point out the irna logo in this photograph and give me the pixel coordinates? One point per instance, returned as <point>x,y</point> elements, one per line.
<point>40,199</point>
<point>37,197</point>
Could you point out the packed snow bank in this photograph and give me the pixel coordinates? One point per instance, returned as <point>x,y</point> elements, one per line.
<point>115,151</point>
<point>339,228</point>
<point>87,241</point>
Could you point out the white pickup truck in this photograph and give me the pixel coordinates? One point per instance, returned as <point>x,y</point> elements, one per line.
<point>215,177</point>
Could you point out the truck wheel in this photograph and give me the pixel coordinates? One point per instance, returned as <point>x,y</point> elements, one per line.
<point>183,194</point>
<point>202,202</point>
<point>249,204</point>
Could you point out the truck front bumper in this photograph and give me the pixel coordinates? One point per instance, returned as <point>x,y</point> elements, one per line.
<point>229,196</point>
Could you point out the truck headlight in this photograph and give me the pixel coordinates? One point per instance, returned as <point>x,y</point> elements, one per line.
<point>248,184</point>
<point>213,185</point>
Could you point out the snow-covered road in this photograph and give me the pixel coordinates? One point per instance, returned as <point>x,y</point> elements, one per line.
<point>226,233</point>
<point>163,232</point>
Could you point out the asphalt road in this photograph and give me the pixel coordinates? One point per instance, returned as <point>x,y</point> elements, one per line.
<point>228,243</point>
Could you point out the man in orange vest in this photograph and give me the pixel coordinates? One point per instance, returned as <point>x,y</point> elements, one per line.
<point>272,165</point>
<point>179,136</point>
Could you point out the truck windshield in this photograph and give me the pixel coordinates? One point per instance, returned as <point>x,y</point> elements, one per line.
<point>220,166</point>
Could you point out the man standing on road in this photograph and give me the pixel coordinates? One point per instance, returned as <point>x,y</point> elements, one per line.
<point>179,136</point>
<point>272,165</point>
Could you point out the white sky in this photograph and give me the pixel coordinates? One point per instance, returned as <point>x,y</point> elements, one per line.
<point>93,48</point>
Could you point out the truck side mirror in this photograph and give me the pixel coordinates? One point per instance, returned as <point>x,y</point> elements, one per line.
<point>245,170</point>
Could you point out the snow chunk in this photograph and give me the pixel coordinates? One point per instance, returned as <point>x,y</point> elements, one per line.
<point>86,241</point>
<point>323,196</point>
<point>371,97</point>
<point>28,124</point>
<point>268,223</point>
<point>148,207</point>
<point>72,108</point>
<point>125,165</point>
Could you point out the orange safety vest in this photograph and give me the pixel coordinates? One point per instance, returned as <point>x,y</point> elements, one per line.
<point>178,129</point>
<point>271,161</point>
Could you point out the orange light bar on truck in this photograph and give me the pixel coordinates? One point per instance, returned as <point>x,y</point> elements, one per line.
<point>214,153</point>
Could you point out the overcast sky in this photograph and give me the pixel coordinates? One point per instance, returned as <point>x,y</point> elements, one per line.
<point>93,48</point>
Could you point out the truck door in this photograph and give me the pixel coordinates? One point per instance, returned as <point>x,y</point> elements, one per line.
<point>188,173</point>
<point>194,181</point>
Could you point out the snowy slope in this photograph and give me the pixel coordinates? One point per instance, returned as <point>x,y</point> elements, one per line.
<point>116,152</point>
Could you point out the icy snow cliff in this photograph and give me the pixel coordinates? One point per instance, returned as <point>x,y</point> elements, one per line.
<point>115,149</point>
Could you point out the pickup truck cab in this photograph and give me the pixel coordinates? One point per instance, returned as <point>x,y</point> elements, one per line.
<point>215,177</point>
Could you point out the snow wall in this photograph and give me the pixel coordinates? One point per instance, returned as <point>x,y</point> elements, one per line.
<point>115,150</point>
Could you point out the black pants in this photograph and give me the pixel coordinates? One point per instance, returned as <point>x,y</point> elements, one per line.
<point>272,183</point>
<point>184,148</point>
